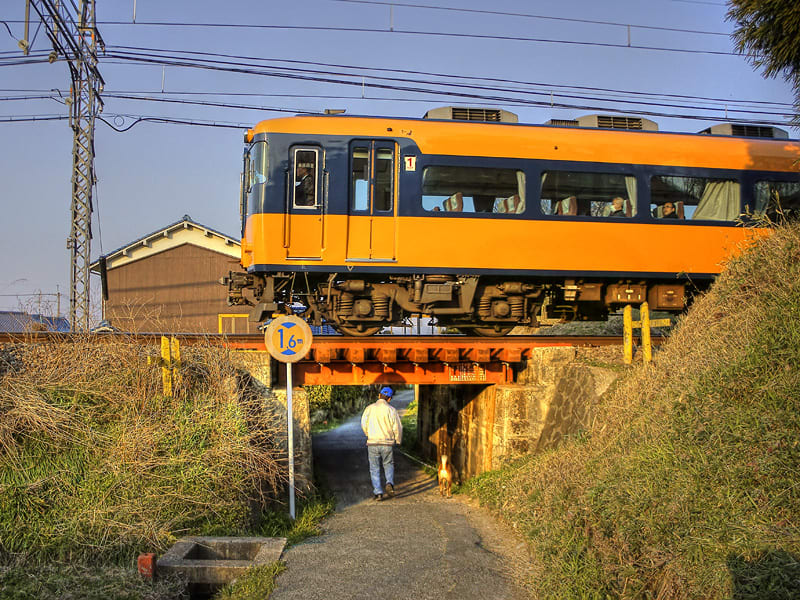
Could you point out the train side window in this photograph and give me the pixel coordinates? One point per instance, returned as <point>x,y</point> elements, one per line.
<point>359,179</point>
<point>304,180</point>
<point>777,199</point>
<point>473,190</point>
<point>695,198</point>
<point>583,194</point>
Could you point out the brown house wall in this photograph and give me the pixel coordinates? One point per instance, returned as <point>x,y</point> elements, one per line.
<point>175,290</point>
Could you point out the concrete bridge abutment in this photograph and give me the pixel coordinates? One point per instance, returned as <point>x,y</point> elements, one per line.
<point>483,426</point>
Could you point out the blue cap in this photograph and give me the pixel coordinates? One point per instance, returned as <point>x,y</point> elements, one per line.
<point>387,391</point>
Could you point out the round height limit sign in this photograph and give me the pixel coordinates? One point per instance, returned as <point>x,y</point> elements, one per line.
<point>288,340</point>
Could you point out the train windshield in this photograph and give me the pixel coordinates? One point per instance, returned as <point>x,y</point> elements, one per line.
<point>256,162</point>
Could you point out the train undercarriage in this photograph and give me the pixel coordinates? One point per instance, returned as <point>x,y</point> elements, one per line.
<point>488,306</point>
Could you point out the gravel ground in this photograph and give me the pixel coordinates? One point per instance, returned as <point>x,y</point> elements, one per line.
<point>415,545</point>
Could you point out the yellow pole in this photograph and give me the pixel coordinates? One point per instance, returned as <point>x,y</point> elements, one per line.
<point>647,347</point>
<point>627,334</point>
<point>175,352</point>
<point>166,371</point>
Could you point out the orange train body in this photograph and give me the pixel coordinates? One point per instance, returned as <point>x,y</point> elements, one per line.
<point>485,226</point>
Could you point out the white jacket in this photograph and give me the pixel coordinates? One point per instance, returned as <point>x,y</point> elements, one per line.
<point>381,424</point>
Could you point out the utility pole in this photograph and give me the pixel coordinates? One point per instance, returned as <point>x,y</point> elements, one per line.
<point>75,38</point>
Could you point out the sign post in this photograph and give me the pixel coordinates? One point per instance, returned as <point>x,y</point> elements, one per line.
<point>288,339</point>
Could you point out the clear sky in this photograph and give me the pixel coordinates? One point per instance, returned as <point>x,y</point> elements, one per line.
<point>375,60</point>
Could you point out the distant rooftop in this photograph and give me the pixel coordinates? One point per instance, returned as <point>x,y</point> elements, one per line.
<point>22,322</point>
<point>181,232</point>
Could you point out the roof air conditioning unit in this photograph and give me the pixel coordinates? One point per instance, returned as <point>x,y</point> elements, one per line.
<point>617,122</point>
<point>742,130</point>
<point>563,123</point>
<point>460,113</point>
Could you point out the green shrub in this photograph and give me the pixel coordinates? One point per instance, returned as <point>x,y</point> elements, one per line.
<point>330,404</point>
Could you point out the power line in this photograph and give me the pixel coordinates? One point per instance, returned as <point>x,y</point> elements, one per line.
<point>154,59</point>
<point>28,118</point>
<point>420,33</point>
<point>526,103</point>
<point>173,121</point>
<point>215,104</point>
<point>505,100</point>
<point>547,86</point>
<point>166,98</point>
<point>530,16</point>
<point>723,101</point>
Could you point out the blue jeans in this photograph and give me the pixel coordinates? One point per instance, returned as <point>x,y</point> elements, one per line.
<point>380,455</point>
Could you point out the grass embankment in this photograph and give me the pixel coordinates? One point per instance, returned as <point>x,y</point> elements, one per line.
<point>97,465</point>
<point>686,486</point>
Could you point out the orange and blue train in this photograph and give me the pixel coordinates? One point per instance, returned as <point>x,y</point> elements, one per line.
<point>363,222</point>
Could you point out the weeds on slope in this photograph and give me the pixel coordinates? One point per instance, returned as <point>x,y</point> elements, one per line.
<point>97,464</point>
<point>685,486</point>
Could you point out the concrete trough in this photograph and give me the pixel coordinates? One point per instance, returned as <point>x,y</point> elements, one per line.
<point>214,561</point>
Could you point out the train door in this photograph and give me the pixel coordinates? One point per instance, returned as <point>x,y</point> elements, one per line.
<point>304,220</point>
<point>373,201</point>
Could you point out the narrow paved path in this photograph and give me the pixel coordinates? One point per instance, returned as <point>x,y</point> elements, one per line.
<point>416,545</point>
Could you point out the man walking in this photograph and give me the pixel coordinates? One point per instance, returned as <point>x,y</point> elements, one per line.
<point>382,426</point>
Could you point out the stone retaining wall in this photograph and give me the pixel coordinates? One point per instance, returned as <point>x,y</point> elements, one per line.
<point>482,426</point>
<point>256,381</point>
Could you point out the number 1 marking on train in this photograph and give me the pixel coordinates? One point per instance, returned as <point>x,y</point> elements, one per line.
<point>411,163</point>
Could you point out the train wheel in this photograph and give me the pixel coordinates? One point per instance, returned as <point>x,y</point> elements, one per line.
<point>492,330</point>
<point>358,330</point>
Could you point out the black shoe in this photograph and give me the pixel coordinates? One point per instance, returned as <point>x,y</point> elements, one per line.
<point>378,497</point>
<point>390,490</point>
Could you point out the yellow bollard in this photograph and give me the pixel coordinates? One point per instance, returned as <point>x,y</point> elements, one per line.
<point>627,334</point>
<point>166,371</point>
<point>647,348</point>
<point>175,352</point>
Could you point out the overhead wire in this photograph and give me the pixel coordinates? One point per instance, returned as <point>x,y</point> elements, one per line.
<point>458,77</point>
<point>394,30</point>
<point>172,121</point>
<point>526,103</point>
<point>584,93</point>
<point>723,101</point>
<point>448,93</point>
<point>530,16</point>
<point>313,75</point>
<point>167,98</point>
<point>430,33</point>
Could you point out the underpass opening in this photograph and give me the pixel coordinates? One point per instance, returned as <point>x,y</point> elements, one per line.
<point>549,394</point>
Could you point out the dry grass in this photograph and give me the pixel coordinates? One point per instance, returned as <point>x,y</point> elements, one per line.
<point>96,463</point>
<point>685,486</point>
